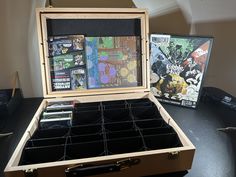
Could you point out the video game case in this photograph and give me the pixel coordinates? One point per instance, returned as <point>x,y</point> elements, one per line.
<point>178,66</point>
<point>60,105</point>
<point>60,119</point>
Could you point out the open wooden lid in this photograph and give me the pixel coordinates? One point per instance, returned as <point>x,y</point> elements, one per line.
<point>86,51</point>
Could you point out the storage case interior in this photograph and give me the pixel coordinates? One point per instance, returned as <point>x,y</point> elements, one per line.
<point>100,129</point>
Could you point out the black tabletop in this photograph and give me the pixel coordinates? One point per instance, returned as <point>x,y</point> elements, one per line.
<point>215,151</point>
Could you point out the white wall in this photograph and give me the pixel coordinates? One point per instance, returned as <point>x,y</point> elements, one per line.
<point>17,51</point>
<point>221,69</point>
<point>3,62</point>
<point>33,50</point>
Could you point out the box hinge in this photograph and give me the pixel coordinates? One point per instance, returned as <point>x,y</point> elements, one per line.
<point>173,155</point>
<point>31,172</point>
<point>50,4</point>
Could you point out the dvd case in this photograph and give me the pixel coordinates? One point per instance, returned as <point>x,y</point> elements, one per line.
<point>178,66</point>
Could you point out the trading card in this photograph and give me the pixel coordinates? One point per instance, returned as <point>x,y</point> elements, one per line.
<point>78,78</point>
<point>60,45</point>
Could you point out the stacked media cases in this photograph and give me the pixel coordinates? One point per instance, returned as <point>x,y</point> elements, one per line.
<point>57,115</point>
<point>119,127</point>
<point>79,62</point>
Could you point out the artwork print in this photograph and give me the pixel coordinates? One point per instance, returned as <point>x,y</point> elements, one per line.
<point>113,61</point>
<point>178,65</point>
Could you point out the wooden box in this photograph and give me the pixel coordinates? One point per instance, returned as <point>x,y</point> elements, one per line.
<point>118,127</point>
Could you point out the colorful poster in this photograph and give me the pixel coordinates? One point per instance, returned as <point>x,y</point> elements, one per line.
<point>105,42</point>
<point>178,64</point>
<point>92,61</point>
<point>115,61</point>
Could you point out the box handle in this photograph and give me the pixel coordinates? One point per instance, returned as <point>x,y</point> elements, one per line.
<point>89,170</point>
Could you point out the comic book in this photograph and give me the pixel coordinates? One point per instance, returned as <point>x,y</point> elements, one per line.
<point>178,66</point>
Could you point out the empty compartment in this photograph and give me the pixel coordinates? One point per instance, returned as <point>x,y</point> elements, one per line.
<point>125,145</point>
<point>46,142</point>
<point>163,141</point>
<point>157,131</point>
<point>120,104</point>
<point>140,102</point>
<point>87,106</point>
<point>85,150</point>
<point>145,112</point>
<point>85,138</point>
<point>86,129</point>
<point>43,154</point>
<point>123,134</point>
<point>49,133</point>
<point>86,117</point>
<point>116,115</point>
<point>119,126</point>
<point>150,123</point>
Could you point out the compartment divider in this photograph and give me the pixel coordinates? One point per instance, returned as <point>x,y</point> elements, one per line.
<point>66,142</point>
<point>122,129</point>
<point>64,153</point>
<point>136,127</point>
<point>104,130</point>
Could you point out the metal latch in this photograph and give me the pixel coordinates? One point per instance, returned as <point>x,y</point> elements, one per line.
<point>173,155</point>
<point>31,172</point>
<point>127,163</point>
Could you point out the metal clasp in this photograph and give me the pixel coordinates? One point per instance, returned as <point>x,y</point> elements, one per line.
<point>127,163</point>
<point>31,172</point>
<point>173,155</point>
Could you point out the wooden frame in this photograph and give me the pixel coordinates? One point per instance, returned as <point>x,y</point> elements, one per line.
<point>43,15</point>
<point>166,160</point>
